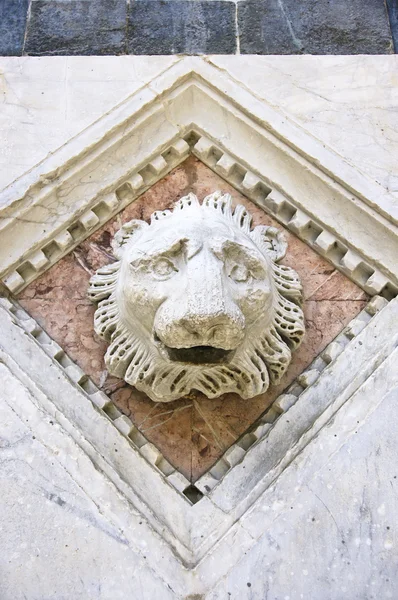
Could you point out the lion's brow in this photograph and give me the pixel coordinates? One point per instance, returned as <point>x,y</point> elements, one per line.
<point>170,248</point>
<point>252,255</point>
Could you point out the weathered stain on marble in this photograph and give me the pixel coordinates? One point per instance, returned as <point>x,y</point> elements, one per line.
<point>193,432</point>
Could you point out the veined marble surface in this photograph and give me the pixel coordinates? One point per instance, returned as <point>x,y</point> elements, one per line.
<point>47,101</point>
<point>348,102</point>
<point>325,528</point>
<point>49,525</point>
<point>331,527</point>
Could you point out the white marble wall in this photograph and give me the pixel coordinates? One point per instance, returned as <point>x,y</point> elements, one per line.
<point>330,519</point>
<point>54,542</point>
<point>46,101</point>
<point>77,520</point>
<point>334,533</point>
<point>348,102</point>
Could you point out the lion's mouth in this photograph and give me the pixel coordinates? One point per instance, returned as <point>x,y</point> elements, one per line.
<point>196,355</point>
<point>199,355</point>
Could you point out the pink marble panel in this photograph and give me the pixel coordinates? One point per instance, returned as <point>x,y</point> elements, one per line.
<point>192,432</point>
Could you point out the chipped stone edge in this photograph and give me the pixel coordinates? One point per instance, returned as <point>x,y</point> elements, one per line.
<point>104,209</point>
<point>347,260</point>
<point>284,210</point>
<point>237,452</point>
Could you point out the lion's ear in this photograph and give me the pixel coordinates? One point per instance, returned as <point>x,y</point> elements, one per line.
<point>272,241</point>
<point>125,233</point>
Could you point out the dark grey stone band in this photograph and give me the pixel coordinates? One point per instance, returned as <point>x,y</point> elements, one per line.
<point>392,7</point>
<point>92,27</point>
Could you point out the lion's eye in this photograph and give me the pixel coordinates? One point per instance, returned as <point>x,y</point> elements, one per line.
<point>163,268</point>
<point>239,273</point>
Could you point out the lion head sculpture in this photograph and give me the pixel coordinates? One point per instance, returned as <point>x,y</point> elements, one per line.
<point>196,300</point>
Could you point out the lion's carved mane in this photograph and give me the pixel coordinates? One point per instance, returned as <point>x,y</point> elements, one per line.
<point>261,358</point>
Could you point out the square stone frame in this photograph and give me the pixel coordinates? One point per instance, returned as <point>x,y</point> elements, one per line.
<point>193,107</point>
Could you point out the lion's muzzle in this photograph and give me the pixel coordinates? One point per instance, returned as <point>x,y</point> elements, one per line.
<point>203,313</point>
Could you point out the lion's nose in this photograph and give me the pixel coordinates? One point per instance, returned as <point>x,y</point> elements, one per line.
<point>203,312</point>
<point>221,330</point>
<point>178,327</point>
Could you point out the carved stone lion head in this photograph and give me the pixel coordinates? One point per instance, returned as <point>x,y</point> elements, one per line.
<point>197,301</point>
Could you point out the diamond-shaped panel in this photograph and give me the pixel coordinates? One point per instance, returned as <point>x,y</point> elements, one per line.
<point>193,432</point>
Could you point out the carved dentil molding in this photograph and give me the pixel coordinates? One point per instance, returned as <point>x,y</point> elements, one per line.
<point>196,300</point>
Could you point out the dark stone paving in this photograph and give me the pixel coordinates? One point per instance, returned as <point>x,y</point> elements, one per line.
<point>314,27</point>
<point>79,27</point>
<point>12,26</point>
<point>182,26</point>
